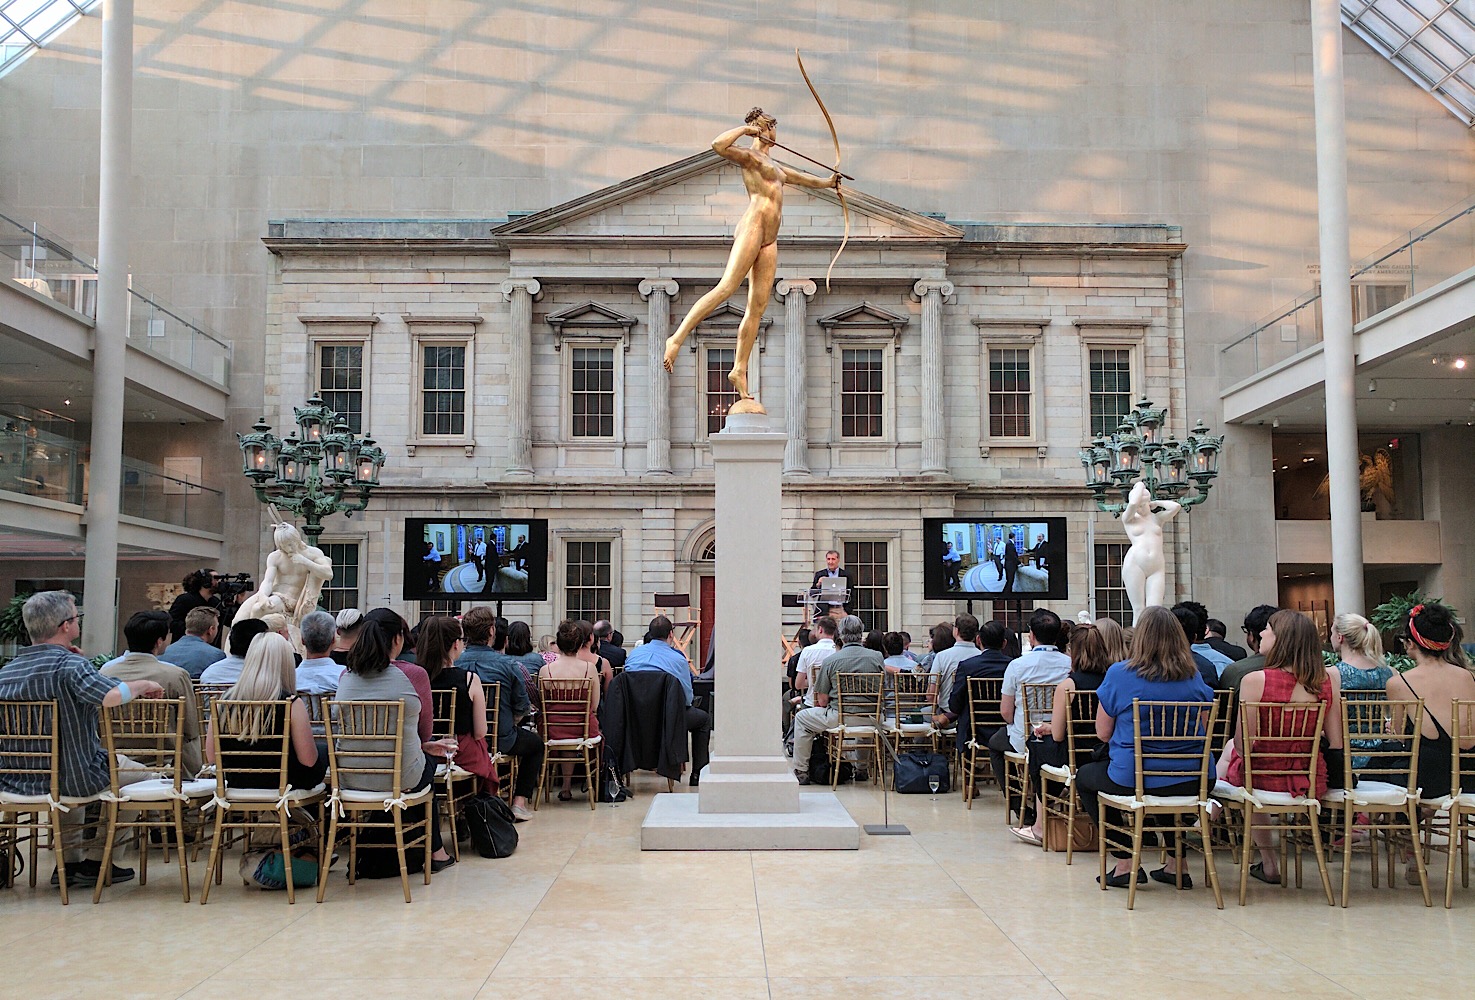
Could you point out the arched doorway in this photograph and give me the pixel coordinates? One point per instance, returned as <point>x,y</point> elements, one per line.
<point>706,574</point>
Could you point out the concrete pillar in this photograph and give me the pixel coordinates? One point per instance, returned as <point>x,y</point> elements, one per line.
<point>520,292</point>
<point>658,294</point>
<point>105,472</point>
<point>934,419</point>
<point>796,293</point>
<point>1336,307</point>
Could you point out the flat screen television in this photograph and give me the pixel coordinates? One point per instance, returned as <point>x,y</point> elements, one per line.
<point>476,559</point>
<point>997,558</point>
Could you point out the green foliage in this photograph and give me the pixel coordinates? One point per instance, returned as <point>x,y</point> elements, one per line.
<point>12,626</point>
<point>101,658</point>
<point>1390,616</point>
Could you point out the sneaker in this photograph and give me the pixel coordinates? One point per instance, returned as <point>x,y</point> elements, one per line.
<point>84,873</point>
<point>521,813</point>
<point>803,776</point>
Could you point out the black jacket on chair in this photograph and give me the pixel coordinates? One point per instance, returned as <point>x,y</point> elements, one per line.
<point>643,719</point>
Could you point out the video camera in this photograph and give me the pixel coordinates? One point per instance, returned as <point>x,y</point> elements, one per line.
<point>228,586</point>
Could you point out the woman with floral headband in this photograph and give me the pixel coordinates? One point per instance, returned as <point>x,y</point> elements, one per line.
<point>1440,674</point>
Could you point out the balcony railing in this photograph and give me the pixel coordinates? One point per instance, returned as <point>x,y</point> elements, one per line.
<point>39,463</point>
<point>155,494</point>
<point>1432,253</point>
<point>43,263</point>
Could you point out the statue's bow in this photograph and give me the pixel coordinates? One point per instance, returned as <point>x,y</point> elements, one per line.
<point>839,193</point>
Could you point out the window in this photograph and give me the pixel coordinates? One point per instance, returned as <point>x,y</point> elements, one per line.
<point>343,590</point>
<point>1009,393</point>
<point>870,582</point>
<point>443,390</point>
<point>341,382</point>
<point>1111,388</point>
<point>720,393</point>
<point>1110,595</point>
<point>588,592</point>
<point>862,392</point>
<point>429,609</point>
<point>1013,616</point>
<point>592,385</point>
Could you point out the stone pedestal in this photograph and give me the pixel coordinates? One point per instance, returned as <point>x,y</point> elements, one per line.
<point>749,798</point>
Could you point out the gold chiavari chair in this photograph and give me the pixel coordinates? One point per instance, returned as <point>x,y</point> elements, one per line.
<point>1386,781</point>
<point>1172,740</point>
<point>316,707</point>
<point>912,728</point>
<point>568,704</point>
<point>365,753</point>
<point>151,733</point>
<point>1080,742</point>
<point>505,764</point>
<point>1459,804</point>
<point>984,694</point>
<point>244,809</point>
<point>205,695</point>
<point>1039,703</point>
<point>30,757</point>
<point>860,704</point>
<point>453,784</point>
<point>1280,744</point>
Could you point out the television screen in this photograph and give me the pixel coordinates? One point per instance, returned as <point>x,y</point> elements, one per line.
<point>995,559</point>
<point>476,559</point>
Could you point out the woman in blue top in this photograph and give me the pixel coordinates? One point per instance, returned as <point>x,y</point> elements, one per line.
<point>1161,668</point>
<point>1360,663</point>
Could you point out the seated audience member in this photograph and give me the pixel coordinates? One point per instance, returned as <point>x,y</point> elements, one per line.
<point>228,670</point>
<point>906,646</point>
<point>822,634</point>
<point>574,640</point>
<point>50,670</point>
<point>548,648</point>
<point>411,652</point>
<point>940,638</point>
<point>1160,669</point>
<point>147,634</point>
<point>513,705</point>
<point>375,673</point>
<point>850,658</point>
<point>1360,664</point>
<point>803,638</point>
<point>1191,625</point>
<point>659,654</point>
<point>1231,676</point>
<point>1044,663</point>
<point>1114,638</point>
<point>349,621</point>
<point>607,648</point>
<point>1089,661</point>
<point>893,647</point>
<point>269,675</point>
<point>1214,635</point>
<point>1200,639</point>
<point>875,639</point>
<point>520,648</point>
<point>196,649</point>
<point>1440,674</point>
<point>590,653</point>
<point>1294,674</point>
<point>319,672</point>
<point>199,592</point>
<point>944,665</point>
<point>991,662</point>
<point>441,643</point>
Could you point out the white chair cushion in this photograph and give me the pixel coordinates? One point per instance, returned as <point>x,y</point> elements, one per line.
<point>854,730</point>
<point>591,741</point>
<point>379,798</point>
<point>1443,804</point>
<point>1227,792</point>
<point>254,795</point>
<point>1058,772</point>
<point>10,799</point>
<point>1369,793</point>
<point>1187,803</point>
<point>1017,758</point>
<point>1266,799</point>
<point>162,790</point>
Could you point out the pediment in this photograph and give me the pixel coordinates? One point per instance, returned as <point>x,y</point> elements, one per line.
<point>723,323</point>
<point>702,196</point>
<point>862,323</point>
<point>590,319</point>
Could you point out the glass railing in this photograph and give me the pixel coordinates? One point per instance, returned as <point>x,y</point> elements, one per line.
<point>39,463</point>
<point>44,264</point>
<point>156,494</point>
<point>1410,265</point>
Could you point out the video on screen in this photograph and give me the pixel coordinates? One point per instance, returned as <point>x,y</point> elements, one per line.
<point>474,559</point>
<point>995,557</point>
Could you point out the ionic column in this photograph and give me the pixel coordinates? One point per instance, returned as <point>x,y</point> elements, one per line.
<point>520,292</point>
<point>934,419</point>
<point>658,293</point>
<point>796,363</point>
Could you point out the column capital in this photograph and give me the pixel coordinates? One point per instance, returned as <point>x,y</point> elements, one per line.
<point>787,285</point>
<point>667,285</point>
<point>530,285</point>
<point>921,288</point>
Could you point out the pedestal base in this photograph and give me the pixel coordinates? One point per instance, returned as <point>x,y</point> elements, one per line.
<point>748,785</point>
<point>821,824</point>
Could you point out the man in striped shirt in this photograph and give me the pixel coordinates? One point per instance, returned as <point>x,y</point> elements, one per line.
<point>51,669</point>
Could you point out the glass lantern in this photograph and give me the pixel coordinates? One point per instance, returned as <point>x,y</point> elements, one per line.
<point>291,464</point>
<point>259,451</point>
<point>340,452</point>
<point>369,461</point>
<point>1149,420</point>
<point>312,418</point>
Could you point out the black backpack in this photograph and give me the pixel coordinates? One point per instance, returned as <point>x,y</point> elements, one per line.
<point>492,826</point>
<point>820,764</point>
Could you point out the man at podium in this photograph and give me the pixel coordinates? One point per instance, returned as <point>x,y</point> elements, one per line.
<point>834,572</point>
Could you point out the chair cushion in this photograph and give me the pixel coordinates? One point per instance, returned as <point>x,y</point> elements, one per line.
<point>1058,772</point>
<point>9,799</point>
<point>253,795</point>
<point>359,796</point>
<point>591,741</point>
<point>854,730</point>
<point>914,729</point>
<point>1226,792</point>
<point>1185,803</point>
<point>1017,758</point>
<point>162,790</point>
<point>1465,801</point>
<point>1369,793</point>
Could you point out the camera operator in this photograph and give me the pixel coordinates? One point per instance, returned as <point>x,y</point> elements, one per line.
<point>231,592</point>
<point>199,592</point>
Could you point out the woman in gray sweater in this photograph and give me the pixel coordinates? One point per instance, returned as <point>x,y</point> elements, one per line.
<point>371,677</point>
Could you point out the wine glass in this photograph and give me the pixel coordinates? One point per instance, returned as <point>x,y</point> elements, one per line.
<point>934,782</point>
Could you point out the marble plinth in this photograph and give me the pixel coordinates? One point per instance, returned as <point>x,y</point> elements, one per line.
<point>674,823</point>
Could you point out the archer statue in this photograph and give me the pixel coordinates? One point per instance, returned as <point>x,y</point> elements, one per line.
<point>755,244</point>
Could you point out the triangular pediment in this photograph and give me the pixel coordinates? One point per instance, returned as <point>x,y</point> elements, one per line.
<point>702,196</point>
<point>867,315</point>
<point>590,315</point>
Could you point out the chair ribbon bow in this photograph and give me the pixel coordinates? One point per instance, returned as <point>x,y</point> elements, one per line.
<point>835,137</point>
<point>56,805</point>
<point>398,803</point>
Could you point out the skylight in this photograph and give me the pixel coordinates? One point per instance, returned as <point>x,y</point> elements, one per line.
<point>1431,41</point>
<point>26,25</point>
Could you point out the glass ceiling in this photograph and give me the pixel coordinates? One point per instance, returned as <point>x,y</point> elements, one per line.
<point>26,25</point>
<point>1431,41</point>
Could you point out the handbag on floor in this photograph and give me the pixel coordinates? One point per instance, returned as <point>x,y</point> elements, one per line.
<point>1082,833</point>
<point>610,788</point>
<point>912,772</point>
<point>492,826</point>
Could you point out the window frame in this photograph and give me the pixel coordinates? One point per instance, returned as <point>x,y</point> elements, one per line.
<point>358,542</point>
<point>885,346</point>
<point>441,331</point>
<point>1110,337</point>
<point>562,540</point>
<point>316,344</point>
<point>892,541</point>
<point>1106,558</point>
<point>704,393</point>
<point>568,345</point>
<point>1005,335</point>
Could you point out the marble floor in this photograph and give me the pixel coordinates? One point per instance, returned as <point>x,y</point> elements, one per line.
<point>957,909</point>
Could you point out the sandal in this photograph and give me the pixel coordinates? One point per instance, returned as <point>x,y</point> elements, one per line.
<point>1168,878</point>
<point>1257,871</point>
<point>565,796</point>
<point>1123,880</point>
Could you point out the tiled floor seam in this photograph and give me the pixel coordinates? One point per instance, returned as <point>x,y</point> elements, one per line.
<point>525,920</point>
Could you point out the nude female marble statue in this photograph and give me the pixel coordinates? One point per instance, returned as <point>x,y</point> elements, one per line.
<point>1144,568</point>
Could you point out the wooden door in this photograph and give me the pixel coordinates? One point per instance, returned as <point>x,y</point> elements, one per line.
<point>707,596</point>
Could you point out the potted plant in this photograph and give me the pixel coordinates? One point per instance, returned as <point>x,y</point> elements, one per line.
<point>13,628</point>
<point>1389,619</point>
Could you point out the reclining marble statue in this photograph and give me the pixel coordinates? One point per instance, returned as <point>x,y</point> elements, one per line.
<point>295,575</point>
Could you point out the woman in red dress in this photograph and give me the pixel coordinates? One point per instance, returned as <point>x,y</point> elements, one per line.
<point>560,717</point>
